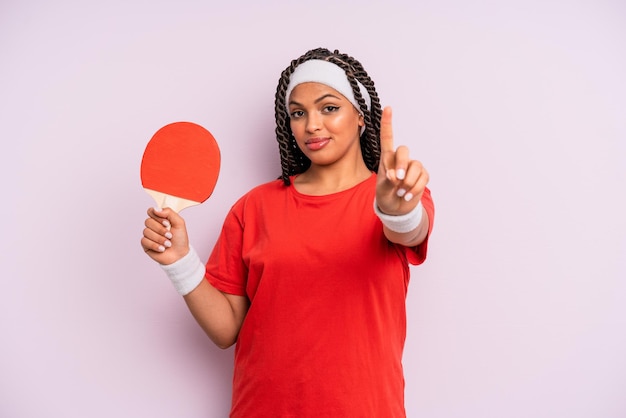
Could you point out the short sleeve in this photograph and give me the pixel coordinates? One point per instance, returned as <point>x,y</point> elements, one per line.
<point>225,269</point>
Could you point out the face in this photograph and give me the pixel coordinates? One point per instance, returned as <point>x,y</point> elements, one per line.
<point>325,124</point>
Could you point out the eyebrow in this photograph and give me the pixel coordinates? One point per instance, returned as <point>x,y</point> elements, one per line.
<point>292,102</point>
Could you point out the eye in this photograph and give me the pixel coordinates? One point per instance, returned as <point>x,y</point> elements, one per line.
<point>330,108</point>
<point>296,114</point>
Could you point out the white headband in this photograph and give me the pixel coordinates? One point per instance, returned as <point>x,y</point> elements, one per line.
<point>325,72</point>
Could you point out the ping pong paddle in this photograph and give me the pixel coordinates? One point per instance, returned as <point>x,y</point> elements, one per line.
<point>180,165</point>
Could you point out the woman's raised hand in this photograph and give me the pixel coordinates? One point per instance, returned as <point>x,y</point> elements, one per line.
<point>401,181</point>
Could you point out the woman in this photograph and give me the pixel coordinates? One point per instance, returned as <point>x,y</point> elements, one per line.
<point>310,272</point>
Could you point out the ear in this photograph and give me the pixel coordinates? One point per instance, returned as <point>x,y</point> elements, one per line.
<point>361,120</point>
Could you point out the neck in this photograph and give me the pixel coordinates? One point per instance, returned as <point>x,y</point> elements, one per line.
<point>321,180</point>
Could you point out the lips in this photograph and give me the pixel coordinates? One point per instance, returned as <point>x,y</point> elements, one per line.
<point>315,144</point>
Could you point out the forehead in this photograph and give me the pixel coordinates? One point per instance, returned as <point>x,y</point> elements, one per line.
<point>312,91</point>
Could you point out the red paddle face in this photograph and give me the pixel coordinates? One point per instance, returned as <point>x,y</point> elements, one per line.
<point>180,165</point>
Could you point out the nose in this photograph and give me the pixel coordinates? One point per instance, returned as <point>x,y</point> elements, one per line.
<point>313,122</point>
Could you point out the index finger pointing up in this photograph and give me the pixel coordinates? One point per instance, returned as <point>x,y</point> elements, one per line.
<point>386,132</point>
<point>387,154</point>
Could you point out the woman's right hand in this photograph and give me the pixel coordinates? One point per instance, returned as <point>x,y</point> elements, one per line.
<point>165,238</point>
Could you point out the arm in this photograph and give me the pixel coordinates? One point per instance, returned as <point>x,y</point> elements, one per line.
<point>219,314</point>
<point>166,241</point>
<point>399,190</point>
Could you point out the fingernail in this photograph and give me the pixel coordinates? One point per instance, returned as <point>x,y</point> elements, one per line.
<point>161,248</point>
<point>168,235</point>
<point>158,209</point>
<point>400,173</point>
<point>167,243</point>
<point>166,224</point>
<point>401,192</point>
<point>408,196</point>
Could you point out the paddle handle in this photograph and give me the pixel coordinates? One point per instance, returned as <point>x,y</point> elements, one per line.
<point>168,201</point>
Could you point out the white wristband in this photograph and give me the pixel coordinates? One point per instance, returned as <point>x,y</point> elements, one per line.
<point>401,223</point>
<point>187,273</point>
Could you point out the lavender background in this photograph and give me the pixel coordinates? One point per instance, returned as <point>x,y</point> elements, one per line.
<point>515,107</point>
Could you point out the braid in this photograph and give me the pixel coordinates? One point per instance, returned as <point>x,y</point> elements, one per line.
<point>292,159</point>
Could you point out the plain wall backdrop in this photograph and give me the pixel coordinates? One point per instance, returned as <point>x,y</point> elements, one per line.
<point>517,108</point>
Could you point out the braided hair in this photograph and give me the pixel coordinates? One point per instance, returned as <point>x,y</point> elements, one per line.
<point>292,159</point>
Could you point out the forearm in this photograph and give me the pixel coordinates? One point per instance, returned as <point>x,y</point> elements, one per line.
<point>218,314</point>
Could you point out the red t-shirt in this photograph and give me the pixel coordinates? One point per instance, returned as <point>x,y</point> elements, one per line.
<point>327,322</point>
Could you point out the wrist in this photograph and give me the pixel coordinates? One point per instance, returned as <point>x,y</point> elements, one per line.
<point>401,223</point>
<point>186,273</point>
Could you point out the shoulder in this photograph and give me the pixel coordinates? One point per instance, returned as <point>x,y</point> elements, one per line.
<point>263,192</point>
